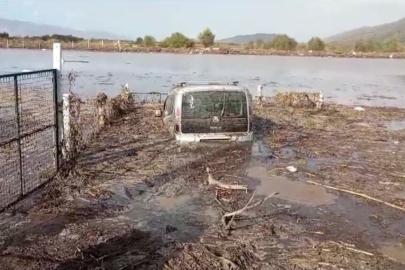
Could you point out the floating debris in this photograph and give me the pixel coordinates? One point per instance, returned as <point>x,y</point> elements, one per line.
<point>359,109</point>
<point>292,169</point>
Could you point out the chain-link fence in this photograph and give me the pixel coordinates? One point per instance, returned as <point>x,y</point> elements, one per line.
<point>28,133</point>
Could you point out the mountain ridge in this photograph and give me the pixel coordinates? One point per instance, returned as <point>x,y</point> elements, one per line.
<point>381,33</point>
<point>22,29</point>
<point>244,39</point>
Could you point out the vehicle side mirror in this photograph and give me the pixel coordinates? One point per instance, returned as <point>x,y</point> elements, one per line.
<point>158,113</point>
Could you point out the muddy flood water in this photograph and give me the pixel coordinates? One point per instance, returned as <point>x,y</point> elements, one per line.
<point>375,82</point>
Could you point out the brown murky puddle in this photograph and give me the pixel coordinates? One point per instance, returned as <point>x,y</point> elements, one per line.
<point>394,251</point>
<point>292,191</point>
<point>289,190</point>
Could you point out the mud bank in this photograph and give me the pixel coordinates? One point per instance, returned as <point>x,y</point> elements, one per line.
<point>226,50</point>
<point>137,200</point>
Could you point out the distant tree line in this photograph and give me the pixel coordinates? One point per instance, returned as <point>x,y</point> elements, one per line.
<point>207,39</point>
<point>178,40</point>
<point>62,38</point>
<point>391,45</point>
<point>286,43</point>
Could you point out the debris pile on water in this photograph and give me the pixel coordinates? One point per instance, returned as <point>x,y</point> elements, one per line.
<point>298,99</point>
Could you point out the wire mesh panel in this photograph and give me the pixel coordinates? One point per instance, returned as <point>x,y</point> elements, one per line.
<point>36,101</point>
<point>29,141</point>
<point>8,123</point>
<point>38,164</point>
<point>152,97</point>
<point>10,180</point>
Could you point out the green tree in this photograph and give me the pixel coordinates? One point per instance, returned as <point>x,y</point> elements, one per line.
<point>190,43</point>
<point>206,37</point>
<point>164,43</point>
<point>316,44</point>
<point>149,41</point>
<point>259,44</point>
<point>392,46</point>
<point>139,41</point>
<point>4,35</point>
<point>284,42</point>
<point>373,46</point>
<point>177,40</point>
<point>360,46</point>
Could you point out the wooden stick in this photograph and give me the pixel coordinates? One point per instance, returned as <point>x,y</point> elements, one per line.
<point>351,248</point>
<point>238,212</point>
<point>360,251</point>
<point>213,182</point>
<point>227,264</point>
<point>358,194</point>
<point>262,201</point>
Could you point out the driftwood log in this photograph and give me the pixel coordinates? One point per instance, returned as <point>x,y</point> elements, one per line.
<point>213,182</point>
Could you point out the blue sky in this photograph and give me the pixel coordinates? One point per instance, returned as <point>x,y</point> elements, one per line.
<point>300,19</point>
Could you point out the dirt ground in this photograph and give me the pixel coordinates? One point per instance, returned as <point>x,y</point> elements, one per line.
<point>138,200</point>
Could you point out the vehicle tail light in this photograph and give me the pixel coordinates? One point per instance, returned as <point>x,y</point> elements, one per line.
<point>177,128</point>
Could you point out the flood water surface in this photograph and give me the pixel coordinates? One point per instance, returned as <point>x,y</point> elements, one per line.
<point>395,125</point>
<point>171,203</point>
<point>394,251</point>
<point>346,81</point>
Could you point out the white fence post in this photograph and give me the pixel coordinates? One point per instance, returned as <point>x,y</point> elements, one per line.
<point>57,64</point>
<point>67,122</point>
<point>259,93</point>
<point>321,100</point>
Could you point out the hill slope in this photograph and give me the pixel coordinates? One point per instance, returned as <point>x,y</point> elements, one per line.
<point>379,33</point>
<point>20,28</point>
<point>244,39</point>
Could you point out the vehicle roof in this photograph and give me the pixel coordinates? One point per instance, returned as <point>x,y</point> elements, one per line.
<point>209,87</point>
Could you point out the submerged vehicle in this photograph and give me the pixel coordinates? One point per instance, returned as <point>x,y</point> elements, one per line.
<point>203,111</point>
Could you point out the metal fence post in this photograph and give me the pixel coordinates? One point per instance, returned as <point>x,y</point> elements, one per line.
<point>57,65</point>
<point>56,118</point>
<point>17,113</point>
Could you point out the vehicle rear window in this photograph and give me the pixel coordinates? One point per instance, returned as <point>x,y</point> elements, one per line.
<point>207,104</point>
